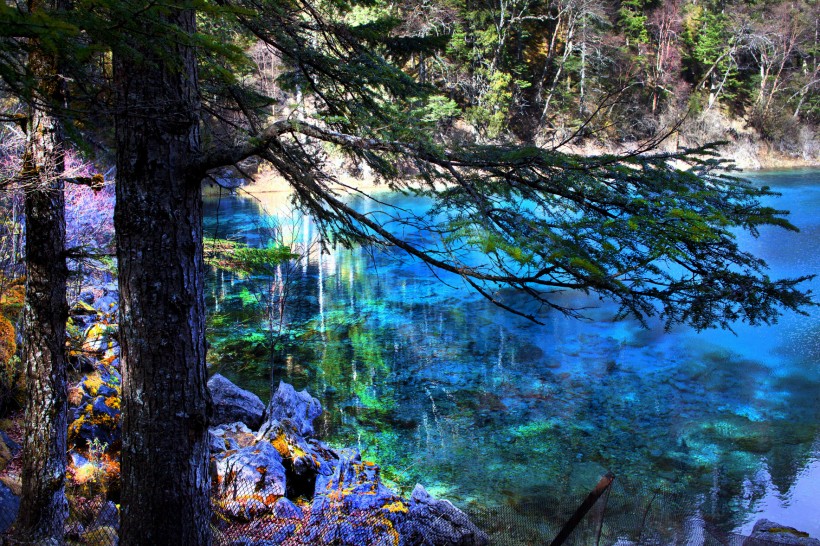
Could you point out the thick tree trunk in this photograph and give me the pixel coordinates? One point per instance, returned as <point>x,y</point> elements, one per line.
<point>158,220</point>
<point>43,506</point>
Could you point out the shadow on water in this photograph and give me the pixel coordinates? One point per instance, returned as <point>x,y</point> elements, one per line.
<point>505,417</point>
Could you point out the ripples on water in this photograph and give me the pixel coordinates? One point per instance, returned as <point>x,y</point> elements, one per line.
<point>515,422</point>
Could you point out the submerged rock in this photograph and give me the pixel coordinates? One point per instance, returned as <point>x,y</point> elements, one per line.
<point>434,522</point>
<point>232,404</point>
<point>767,532</point>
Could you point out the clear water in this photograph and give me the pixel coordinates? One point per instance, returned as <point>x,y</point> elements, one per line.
<point>496,413</point>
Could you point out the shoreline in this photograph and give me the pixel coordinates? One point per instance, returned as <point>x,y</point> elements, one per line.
<point>274,192</point>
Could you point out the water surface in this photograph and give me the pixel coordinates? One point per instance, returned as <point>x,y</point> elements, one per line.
<point>514,421</point>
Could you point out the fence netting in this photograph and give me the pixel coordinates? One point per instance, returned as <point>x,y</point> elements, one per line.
<point>626,515</point>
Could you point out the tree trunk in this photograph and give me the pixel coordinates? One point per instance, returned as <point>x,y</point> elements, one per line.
<point>158,221</point>
<point>43,506</point>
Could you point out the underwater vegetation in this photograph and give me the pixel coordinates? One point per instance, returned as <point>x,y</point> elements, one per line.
<point>439,387</point>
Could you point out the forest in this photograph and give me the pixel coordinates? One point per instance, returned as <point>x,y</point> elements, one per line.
<point>563,150</point>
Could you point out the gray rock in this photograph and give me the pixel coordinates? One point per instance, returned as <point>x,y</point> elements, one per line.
<point>231,404</point>
<point>306,458</point>
<point>9,505</point>
<point>295,409</point>
<point>352,507</point>
<point>285,509</point>
<point>78,460</point>
<point>767,532</point>
<point>216,443</point>
<point>108,516</point>
<point>434,522</point>
<point>252,477</point>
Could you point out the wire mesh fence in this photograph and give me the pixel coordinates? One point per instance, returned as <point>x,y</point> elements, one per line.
<point>626,515</point>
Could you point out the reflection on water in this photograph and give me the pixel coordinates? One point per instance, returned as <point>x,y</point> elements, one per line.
<point>441,387</point>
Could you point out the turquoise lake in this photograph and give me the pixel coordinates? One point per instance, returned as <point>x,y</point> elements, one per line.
<point>514,422</point>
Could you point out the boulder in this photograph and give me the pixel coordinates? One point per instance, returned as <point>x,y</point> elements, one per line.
<point>285,509</point>
<point>9,505</point>
<point>232,404</point>
<point>434,522</point>
<point>304,458</point>
<point>352,507</point>
<point>297,410</point>
<point>250,481</point>
<point>769,532</point>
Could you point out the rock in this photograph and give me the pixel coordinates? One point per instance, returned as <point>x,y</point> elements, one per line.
<point>77,460</point>
<point>108,516</point>
<point>9,505</point>
<point>768,532</point>
<point>216,444</point>
<point>229,437</point>
<point>280,535</point>
<point>304,458</point>
<point>101,536</point>
<point>285,509</point>
<point>296,409</point>
<point>251,480</point>
<point>108,303</point>
<point>352,507</point>
<point>434,522</point>
<point>97,413</point>
<point>99,337</point>
<point>83,306</point>
<point>231,404</point>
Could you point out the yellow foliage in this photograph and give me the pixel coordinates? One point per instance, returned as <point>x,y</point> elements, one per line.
<point>12,297</point>
<point>8,345</point>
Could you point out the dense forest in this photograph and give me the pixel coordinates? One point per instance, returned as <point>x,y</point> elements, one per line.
<point>614,72</point>
<point>467,105</point>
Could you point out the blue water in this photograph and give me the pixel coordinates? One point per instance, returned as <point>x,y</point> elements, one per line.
<point>515,421</point>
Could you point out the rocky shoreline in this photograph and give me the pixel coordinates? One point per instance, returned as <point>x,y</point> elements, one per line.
<point>280,485</point>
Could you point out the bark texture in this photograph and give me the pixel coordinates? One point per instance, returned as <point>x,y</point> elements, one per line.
<point>158,220</point>
<point>43,506</point>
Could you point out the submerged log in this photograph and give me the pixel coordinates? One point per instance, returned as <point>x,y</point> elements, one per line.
<point>582,510</point>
